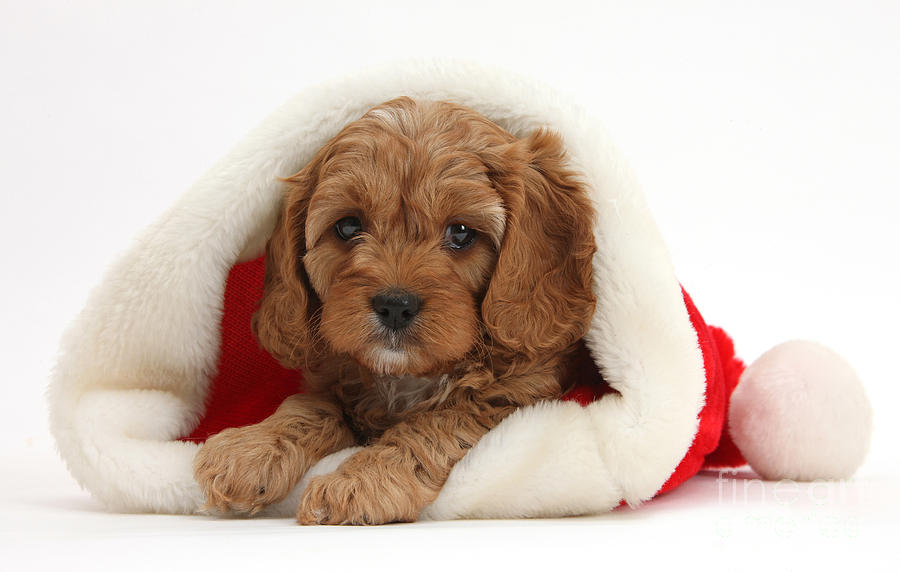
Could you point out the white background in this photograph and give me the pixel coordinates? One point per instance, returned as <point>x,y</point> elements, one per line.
<point>766,138</point>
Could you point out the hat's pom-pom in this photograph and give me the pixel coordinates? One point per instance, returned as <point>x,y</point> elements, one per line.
<point>800,412</point>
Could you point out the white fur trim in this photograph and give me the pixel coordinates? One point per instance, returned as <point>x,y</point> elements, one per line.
<point>153,322</point>
<point>800,412</point>
<point>542,461</point>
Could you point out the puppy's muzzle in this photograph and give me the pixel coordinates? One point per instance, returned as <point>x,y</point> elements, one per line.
<point>396,309</point>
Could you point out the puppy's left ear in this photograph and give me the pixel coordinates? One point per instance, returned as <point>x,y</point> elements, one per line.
<point>539,299</point>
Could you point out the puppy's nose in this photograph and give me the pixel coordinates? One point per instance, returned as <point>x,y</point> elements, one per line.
<point>396,309</point>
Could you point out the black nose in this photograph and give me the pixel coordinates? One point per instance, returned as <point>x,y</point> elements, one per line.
<point>396,309</point>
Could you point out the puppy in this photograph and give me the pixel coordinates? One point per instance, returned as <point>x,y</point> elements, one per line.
<point>429,274</point>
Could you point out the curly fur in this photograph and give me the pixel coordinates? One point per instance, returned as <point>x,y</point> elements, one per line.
<point>499,323</point>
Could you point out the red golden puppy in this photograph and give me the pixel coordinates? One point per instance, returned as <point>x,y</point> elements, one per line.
<point>429,273</point>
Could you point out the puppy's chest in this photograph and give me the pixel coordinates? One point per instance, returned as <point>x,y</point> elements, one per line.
<point>374,404</point>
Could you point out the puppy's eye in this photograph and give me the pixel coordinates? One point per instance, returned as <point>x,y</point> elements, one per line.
<point>348,227</point>
<point>459,236</point>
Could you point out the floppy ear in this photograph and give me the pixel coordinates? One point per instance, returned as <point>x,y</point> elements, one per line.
<point>539,299</point>
<point>283,323</point>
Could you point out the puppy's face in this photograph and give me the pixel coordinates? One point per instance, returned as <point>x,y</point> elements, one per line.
<point>402,234</point>
<point>420,230</point>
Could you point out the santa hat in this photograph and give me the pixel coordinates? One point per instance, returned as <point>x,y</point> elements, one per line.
<point>162,356</point>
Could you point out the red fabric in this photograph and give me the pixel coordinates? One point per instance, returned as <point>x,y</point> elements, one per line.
<point>727,453</point>
<point>249,384</point>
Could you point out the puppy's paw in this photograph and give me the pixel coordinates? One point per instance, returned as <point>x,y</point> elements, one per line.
<point>355,498</point>
<point>247,468</point>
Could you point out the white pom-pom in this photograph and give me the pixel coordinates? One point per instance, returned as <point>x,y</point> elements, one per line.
<point>799,412</point>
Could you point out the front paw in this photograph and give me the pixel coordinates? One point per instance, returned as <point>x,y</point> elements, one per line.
<point>244,469</point>
<point>356,498</point>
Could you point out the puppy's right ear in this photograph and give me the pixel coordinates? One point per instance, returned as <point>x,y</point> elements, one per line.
<point>283,322</point>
